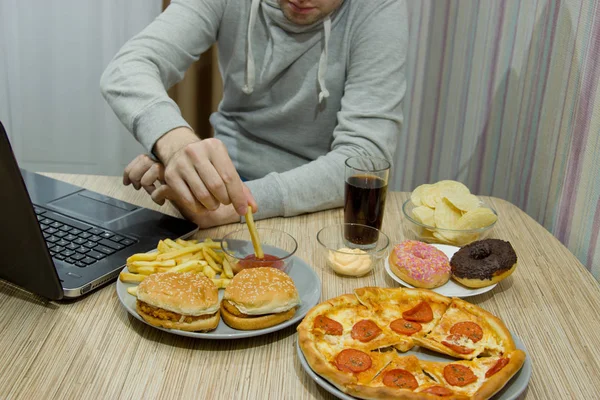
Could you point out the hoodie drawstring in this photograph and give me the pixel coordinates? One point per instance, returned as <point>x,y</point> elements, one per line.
<point>250,68</point>
<point>322,71</point>
<point>250,77</point>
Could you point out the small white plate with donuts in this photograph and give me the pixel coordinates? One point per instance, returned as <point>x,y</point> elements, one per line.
<point>451,288</point>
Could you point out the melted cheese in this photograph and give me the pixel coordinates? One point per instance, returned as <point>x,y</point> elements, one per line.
<point>489,344</point>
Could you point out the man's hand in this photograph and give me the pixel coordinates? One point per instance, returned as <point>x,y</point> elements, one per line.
<point>144,172</point>
<point>196,212</point>
<point>200,174</point>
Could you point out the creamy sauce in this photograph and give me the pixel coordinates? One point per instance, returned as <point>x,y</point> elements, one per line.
<point>353,262</point>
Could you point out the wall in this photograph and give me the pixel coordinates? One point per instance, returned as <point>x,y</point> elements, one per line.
<point>52,54</point>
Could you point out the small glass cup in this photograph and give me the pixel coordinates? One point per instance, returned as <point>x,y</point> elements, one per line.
<point>364,198</point>
<point>278,246</point>
<point>341,257</point>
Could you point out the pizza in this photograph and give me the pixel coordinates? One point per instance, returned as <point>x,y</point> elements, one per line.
<point>356,342</point>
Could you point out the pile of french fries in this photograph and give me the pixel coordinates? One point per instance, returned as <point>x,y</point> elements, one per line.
<point>179,256</point>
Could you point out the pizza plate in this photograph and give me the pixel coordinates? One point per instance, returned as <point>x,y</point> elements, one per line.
<point>450,288</point>
<point>511,391</point>
<point>306,280</point>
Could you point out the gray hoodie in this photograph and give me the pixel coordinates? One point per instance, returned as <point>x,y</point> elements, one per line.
<point>297,100</point>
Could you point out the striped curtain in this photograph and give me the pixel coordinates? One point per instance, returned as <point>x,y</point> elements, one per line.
<point>504,96</point>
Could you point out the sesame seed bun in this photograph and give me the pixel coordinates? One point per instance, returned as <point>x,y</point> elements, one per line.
<point>258,298</point>
<point>186,301</point>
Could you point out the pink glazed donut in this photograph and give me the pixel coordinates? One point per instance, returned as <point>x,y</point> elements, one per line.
<point>420,264</point>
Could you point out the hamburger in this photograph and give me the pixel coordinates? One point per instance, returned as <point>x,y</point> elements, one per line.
<point>174,300</point>
<point>258,298</point>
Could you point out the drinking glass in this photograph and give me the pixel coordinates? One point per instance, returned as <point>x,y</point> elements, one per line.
<point>364,198</point>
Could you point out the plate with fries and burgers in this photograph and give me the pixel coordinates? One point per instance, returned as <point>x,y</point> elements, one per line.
<point>207,289</point>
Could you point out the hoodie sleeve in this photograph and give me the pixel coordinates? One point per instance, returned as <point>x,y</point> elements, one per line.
<point>135,82</point>
<point>369,121</point>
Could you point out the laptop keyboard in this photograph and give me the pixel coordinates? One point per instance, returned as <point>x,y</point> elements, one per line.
<point>77,243</point>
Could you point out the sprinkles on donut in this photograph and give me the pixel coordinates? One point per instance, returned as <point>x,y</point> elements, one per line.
<point>420,264</point>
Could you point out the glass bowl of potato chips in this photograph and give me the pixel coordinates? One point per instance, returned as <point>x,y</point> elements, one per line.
<point>446,212</point>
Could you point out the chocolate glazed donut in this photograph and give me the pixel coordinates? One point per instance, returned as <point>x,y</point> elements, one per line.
<point>483,263</point>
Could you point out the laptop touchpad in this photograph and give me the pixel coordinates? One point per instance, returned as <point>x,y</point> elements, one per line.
<point>94,206</point>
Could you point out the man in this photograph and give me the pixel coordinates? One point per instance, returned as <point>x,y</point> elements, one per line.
<point>306,84</point>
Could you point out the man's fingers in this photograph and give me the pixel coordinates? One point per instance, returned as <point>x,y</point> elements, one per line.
<point>153,174</point>
<point>128,168</point>
<point>139,170</point>
<point>232,181</point>
<point>213,182</point>
<point>198,188</point>
<point>250,199</point>
<point>161,194</point>
<point>181,191</point>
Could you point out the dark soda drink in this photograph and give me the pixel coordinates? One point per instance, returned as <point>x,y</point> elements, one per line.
<point>364,204</point>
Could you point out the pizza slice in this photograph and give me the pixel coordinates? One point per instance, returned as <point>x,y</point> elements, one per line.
<point>404,378</point>
<point>403,314</point>
<point>480,378</point>
<point>344,322</point>
<point>326,339</point>
<point>467,331</point>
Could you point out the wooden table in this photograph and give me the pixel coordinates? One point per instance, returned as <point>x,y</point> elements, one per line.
<point>92,348</point>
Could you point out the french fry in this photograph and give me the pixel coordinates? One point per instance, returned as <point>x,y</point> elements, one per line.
<point>132,290</point>
<point>188,266</point>
<point>254,234</point>
<point>161,263</point>
<point>183,259</point>
<point>145,270</point>
<point>211,262</point>
<point>142,257</point>
<point>221,283</point>
<point>186,243</point>
<point>212,244</point>
<point>173,245</point>
<point>217,257</point>
<point>227,271</point>
<point>128,277</point>
<point>162,247</point>
<point>209,272</point>
<point>180,252</point>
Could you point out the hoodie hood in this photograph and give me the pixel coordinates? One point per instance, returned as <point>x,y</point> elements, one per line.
<point>272,11</point>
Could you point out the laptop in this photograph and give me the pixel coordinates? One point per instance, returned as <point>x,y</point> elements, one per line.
<point>61,241</point>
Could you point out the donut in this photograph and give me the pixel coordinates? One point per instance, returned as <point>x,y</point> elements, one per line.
<point>420,264</point>
<point>483,263</point>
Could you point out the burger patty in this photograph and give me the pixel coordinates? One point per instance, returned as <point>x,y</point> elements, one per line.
<point>161,313</point>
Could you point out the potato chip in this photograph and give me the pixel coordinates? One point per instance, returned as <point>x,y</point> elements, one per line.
<point>477,218</point>
<point>431,196</point>
<point>417,194</point>
<point>463,202</point>
<point>446,215</point>
<point>452,186</point>
<point>424,215</point>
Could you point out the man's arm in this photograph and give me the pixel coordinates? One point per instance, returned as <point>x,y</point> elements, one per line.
<point>200,174</point>
<point>135,82</point>
<point>368,123</point>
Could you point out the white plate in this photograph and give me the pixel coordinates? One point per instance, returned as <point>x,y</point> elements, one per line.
<point>306,280</point>
<point>510,391</point>
<point>451,288</point>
